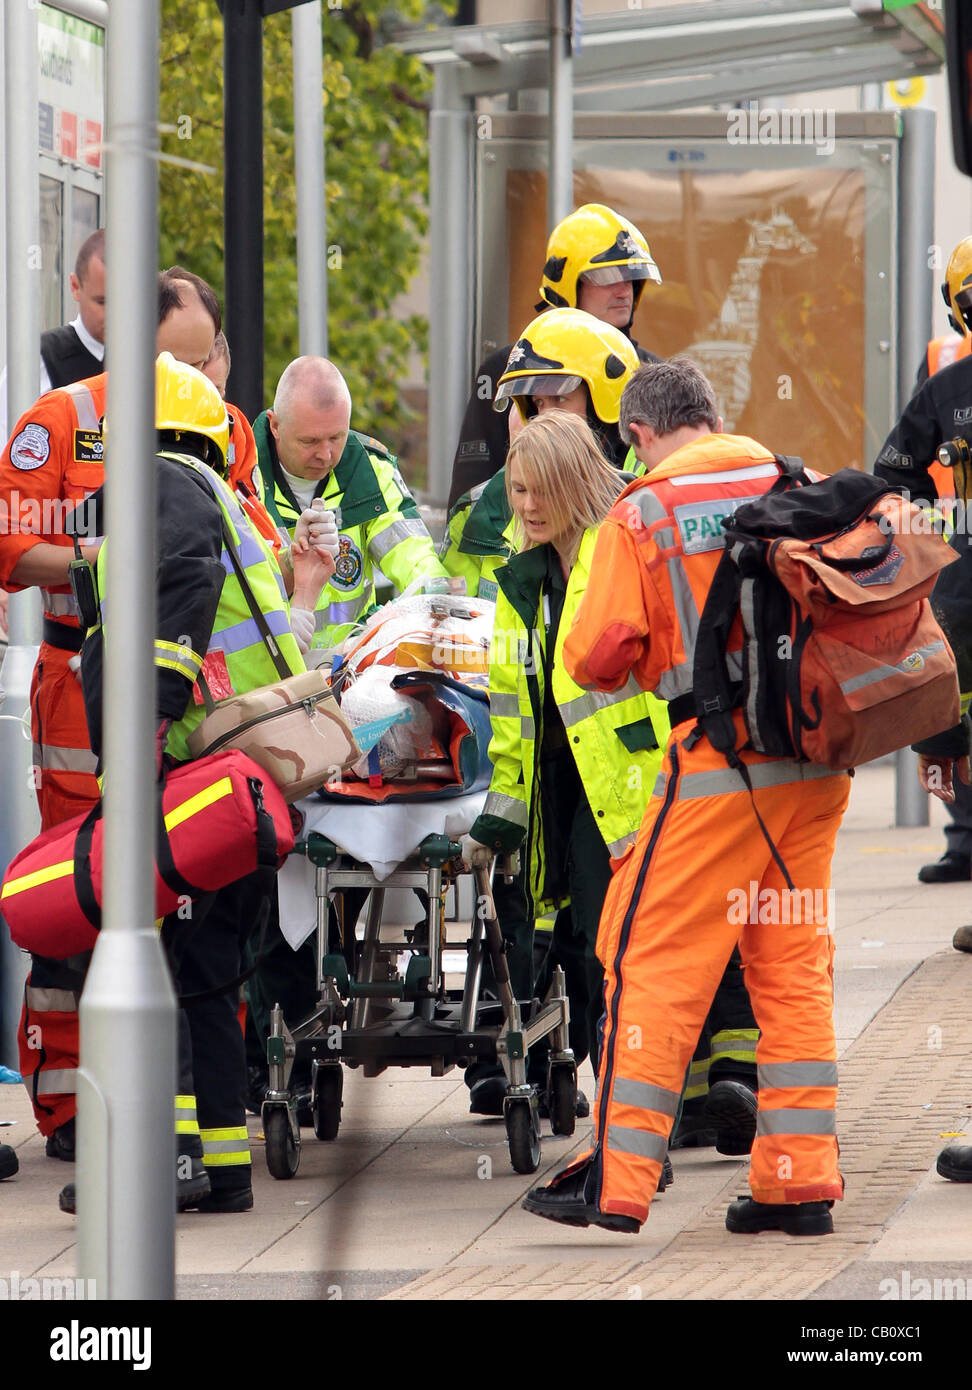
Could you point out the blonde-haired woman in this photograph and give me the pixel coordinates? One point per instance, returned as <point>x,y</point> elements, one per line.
<point>571,772</point>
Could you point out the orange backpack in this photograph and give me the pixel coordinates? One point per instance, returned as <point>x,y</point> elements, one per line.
<point>843,659</point>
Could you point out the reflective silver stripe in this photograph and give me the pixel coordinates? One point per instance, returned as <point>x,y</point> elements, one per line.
<point>41,1000</point>
<point>527,727</point>
<point>645,1096</point>
<point>755,687</point>
<point>618,847</point>
<point>583,706</point>
<point>649,506</point>
<point>881,673</point>
<point>56,1082</point>
<point>186,1113</point>
<point>238,636</point>
<point>637,1141</point>
<point>506,807</point>
<point>336,613</point>
<point>724,782</point>
<point>224,1146</point>
<point>727,475</point>
<point>504,705</point>
<point>796,1122</point>
<point>248,550</point>
<point>61,605</point>
<point>402,530</point>
<point>65,759</point>
<point>84,407</point>
<point>785,1074</point>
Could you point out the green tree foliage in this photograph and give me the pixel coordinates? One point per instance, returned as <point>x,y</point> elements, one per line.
<point>376,122</point>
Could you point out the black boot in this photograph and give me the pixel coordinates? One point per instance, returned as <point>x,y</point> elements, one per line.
<point>9,1162</point>
<point>747,1217</point>
<point>192,1185</point>
<point>61,1143</point>
<point>955,1163</point>
<point>569,1199</point>
<point>730,1108</point>
<point>951,868</point>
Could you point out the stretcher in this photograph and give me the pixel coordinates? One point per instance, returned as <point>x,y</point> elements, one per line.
<point>383,1000</point>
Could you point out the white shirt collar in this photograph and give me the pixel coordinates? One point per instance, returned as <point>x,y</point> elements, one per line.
<point>94,347</point>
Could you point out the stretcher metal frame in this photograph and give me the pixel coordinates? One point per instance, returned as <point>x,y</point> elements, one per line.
<point>379,1019</point>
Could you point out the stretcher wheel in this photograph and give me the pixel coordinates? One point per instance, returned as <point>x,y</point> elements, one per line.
<point>523,1135</point>
<point>562,1097</point>
<point>328,1089</point>
<point>283,1155</point>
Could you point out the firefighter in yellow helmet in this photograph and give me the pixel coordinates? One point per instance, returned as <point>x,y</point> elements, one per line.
<point>957,293</point>
<point>597,261</point>
<point>205,629</point>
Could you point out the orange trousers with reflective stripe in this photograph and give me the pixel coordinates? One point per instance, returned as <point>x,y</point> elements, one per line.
<point>699,871</point>
<point>63,762</point>
<point>61,751</point>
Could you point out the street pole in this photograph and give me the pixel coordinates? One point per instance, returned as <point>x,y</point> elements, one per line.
<point>243,198</point>
<point>127,1079</point>
<point>916,289</point>
<point>308,63</point>
<point>19,821</point>
<point>560,181</point>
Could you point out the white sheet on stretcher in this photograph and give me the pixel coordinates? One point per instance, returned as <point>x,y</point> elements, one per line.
<point>379,836</point>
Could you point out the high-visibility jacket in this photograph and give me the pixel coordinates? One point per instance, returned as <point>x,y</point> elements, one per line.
<point>478,537</point>
<point>206,604</point>
<point>942,352</point>
<point>615,740</point>
<point>380,527</point>
<point>53,461</point>
<point>242,474</point>
<point>661,544</point>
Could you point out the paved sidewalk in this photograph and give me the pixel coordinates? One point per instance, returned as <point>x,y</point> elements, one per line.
<point>416,1198</point>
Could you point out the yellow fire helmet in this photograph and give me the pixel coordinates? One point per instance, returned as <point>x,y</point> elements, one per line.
<point>957,287</point>
<point>560,349</point>
<point>597,245</point>
<point>186,402</point>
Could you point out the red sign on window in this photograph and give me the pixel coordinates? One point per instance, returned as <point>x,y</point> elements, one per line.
<point>69,135</point>
<point>91,149</point>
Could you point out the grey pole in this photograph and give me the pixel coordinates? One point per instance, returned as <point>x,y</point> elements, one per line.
<point>451,218</point>
<point>126,1085</point>
<point>308,44</point>
<point>19,820</point>
<point>560,181</point>
<point>916,288</point>
<point>23,252</point>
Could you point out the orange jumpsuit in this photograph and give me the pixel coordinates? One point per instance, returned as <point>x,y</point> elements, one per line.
<point>52,461</point>
<point>672,914</point>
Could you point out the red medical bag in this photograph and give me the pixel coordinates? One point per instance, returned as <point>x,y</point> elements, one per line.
<point>220,819</point>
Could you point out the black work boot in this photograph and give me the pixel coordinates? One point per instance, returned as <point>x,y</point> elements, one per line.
<point>746,1216</point>
<point>953,867</point>
<point>569,1199</point>
<point>61,1143</point>
<point>955,1163</point>
<point>9,1162</point>
<point>230,1192</point>
<point>730,1108</point>
<point>192,1185</point>
<point>962,940</point>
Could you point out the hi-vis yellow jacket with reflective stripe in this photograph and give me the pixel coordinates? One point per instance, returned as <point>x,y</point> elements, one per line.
<point>234,632</point>
<point>380,526</point>
<point>616,739</point>
<point>478,539</point>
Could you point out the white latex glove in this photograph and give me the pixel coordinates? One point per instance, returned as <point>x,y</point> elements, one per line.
<point>302,626</point>
<point>475,855</point>
<point>75,664</point>
<point>318,527</point>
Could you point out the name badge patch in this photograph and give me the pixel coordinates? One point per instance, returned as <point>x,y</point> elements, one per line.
<point>88,447</point>
<point>700,523</point>
<point>31,448</point>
